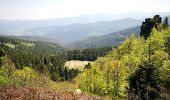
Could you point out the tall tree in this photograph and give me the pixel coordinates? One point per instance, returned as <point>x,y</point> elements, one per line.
<point>166,22</point>
<point>144,84</point>
<point>149,23</point>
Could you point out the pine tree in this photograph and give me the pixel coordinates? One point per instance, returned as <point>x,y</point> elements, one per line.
<point>166,22</point>
<point>144,84</point>
<point>150,23</point>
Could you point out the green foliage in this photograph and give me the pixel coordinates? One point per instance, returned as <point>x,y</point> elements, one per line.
<point>9,45</point>
<point>151,77</point>
<point>156,49</point>
<point>29,78</point>
<point>139,67</point>
<point>145,84</point>
<point>4,81</point>
<point>4,78</point>
<point>6,69</point>
<point>90,54</point>
<point>165,72</point>
<point>143,66</point>
<point>47,58</point>
<point>167,44</point>
<point>132,52</point>
<point>166,22</point>
<point>106,77</point>
<point>148,81</point>
<point>2,54</point>
<point>150,23</point>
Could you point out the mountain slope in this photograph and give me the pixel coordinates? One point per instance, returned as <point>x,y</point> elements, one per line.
<point>36,38</point>
<point>16,43</point>
<point>18,27</point>
<point>112,39</point>
<point>74,28</point>
<point>79,31</point>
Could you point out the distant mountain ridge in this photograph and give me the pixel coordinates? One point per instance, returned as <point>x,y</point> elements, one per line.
<point>17,26</point>
<point>73,32</point>
<point>71,29</point>
<point>108,40</point>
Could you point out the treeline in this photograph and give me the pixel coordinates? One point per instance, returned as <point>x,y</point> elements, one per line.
<point>89,54</point>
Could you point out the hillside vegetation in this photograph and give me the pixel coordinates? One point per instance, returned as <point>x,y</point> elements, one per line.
<point>47,58</point>
<point>109,40</point>
<point>137,69</point>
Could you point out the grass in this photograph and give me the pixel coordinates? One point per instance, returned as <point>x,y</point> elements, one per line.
<point>9,45</point>
<point>76,64</point>
<point>28,44</point>
<point>64,86</point>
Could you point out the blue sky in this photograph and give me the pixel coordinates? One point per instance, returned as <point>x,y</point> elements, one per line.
<point>47,9</point>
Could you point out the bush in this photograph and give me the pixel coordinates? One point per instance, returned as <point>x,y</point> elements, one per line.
<point>29,78</point>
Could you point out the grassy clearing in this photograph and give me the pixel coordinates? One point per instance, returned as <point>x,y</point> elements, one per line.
<point>28,44</point>
<point>9,45</point>
<point>76,64</point>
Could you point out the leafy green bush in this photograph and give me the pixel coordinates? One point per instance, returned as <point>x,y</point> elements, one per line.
<point>29,78</point>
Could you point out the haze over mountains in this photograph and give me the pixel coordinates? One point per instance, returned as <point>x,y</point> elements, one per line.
<point>112,39</point>
<point>81,31</point>
<point>73,32</point>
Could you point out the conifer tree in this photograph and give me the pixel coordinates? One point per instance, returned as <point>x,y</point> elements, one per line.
<point>166,22</point>
<point>150,23</point>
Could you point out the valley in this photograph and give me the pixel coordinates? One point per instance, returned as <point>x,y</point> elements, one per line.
<point>116,56</point>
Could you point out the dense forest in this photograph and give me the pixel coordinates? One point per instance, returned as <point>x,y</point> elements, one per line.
<point>47,58</point>
<point>138,69</point>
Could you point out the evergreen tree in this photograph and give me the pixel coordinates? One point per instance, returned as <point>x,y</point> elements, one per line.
<point>166,22</point>
<point>144,84</point>
<point>2,53</point>
<point>149,23</point>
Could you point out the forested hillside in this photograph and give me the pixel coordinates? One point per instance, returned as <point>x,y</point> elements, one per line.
<point>138,68</point>
<point>78,31</point>
<point>109,40</point>
<point>47,58</point>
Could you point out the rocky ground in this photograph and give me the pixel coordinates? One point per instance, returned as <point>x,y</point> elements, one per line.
<point>12,93</point>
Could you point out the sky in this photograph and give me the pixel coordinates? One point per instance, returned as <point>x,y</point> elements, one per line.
<point>49,9</point>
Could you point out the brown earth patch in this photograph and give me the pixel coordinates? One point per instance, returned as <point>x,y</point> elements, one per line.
<point>12,93</point>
